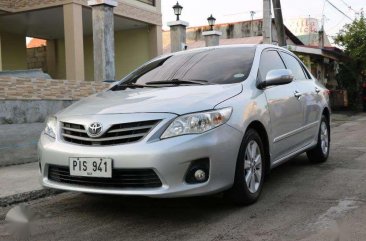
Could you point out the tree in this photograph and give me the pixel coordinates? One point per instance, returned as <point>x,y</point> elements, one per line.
<point>352,72</point>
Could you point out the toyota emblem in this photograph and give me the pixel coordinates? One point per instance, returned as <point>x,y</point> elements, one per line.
<point>95,129</point>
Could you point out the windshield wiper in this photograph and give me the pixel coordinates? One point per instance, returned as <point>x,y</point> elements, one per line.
<point>178,82</point>
<point>124,86</point>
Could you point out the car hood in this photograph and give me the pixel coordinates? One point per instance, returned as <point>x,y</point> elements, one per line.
<point>177,100</point>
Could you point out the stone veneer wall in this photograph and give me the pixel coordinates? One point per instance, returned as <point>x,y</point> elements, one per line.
<point>32,100</point>
<point>37,58</point>
<point>12,88</point>
<point>5,4</point>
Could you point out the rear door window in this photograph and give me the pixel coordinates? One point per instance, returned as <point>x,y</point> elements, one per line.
<point>293,64</point>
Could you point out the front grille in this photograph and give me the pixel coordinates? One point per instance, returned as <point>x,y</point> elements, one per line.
<point>121,178</point>
<point>117,134</point>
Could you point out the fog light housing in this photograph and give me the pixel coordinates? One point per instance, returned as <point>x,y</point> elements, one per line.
<point>198,171</point>
<point>200,175</point>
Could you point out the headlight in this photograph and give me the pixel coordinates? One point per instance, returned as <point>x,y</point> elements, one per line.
<point>197,123</point>
<point>50,129</point>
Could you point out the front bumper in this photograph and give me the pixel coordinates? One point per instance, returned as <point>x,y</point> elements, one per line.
<point>169,158</point>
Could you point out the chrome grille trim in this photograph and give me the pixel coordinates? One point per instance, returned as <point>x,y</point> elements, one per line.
<point>117,134</point>
<point>102,139</point>
<point>72,129</point>
<point>131,129</point>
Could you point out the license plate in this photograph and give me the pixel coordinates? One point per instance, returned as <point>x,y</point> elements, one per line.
<point>91,167</point>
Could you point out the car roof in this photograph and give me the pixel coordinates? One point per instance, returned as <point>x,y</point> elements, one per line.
<point>257,46</point>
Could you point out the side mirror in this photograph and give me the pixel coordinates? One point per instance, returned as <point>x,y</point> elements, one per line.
<point>109,81</point>
<point>277,77</point>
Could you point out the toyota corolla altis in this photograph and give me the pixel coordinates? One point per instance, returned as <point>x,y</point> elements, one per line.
<point>190,123</point>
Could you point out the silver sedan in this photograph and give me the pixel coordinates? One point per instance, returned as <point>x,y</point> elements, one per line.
<point>190,123</point>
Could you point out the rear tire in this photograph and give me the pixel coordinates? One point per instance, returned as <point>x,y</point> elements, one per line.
<point>250,170</point>
<point>320,152</point>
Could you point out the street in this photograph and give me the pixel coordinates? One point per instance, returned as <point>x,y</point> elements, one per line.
<point>300,201</point>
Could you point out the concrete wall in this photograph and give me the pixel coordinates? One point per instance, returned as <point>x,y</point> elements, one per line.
<point>88,58</point>
<point>18,143</point>
<point>60,71</point>
<point>132,49</point>
<point>13,52</point>
<point>29,111</point>
<point>229,30</point>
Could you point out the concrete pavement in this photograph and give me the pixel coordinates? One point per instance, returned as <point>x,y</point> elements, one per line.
<point>19,179</point>
<point>300,201</point>
<point>20,183</point>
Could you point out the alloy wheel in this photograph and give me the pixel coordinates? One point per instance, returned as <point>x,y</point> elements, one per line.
<point>253,166</point>
<point>324,138</point>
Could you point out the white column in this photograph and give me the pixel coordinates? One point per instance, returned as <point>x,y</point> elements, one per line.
<point>212,38</point>
<point>178,35</point>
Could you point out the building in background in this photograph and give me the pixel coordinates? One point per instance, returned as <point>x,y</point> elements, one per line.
<point>67,24</point>
<point>246,32</point>
<point>307,30</point>
<point>320,56</point>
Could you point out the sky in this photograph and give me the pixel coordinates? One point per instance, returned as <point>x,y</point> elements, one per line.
<point>225,11</point>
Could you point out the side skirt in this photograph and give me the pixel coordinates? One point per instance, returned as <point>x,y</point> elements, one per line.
<point>292,155</point>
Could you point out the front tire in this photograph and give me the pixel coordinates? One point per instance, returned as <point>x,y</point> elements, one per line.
<point>320,152</point>
<point>250,170</point>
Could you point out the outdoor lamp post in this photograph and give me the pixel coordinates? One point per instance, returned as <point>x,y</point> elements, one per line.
<point>177,10</point>
<point>178,38</point>
<point>211,21</point>
<point>212,37</point>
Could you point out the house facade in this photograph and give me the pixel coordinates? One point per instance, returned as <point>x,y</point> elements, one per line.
<point>66,25</point>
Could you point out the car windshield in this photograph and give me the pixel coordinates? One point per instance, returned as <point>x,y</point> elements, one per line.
<point>209,66</point>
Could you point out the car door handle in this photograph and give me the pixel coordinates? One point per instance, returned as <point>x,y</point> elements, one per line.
<point>317,90</point>
<point>297,94</point>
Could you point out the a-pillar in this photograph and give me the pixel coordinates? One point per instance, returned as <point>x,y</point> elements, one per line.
<point>74,43</point>
<point>178,35</point>
<point>103,39</point>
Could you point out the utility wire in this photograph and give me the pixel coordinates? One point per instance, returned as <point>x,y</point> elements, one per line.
<point>242,13</point>
<point>334,6</point>
<point>349,6</point>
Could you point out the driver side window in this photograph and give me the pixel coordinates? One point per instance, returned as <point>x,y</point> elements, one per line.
<point>270,60</point>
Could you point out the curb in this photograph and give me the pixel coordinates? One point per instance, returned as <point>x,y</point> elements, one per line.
<point>28,196</point>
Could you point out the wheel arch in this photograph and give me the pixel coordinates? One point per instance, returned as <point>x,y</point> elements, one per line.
<point>259,127</point>
<point>326,113</point>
